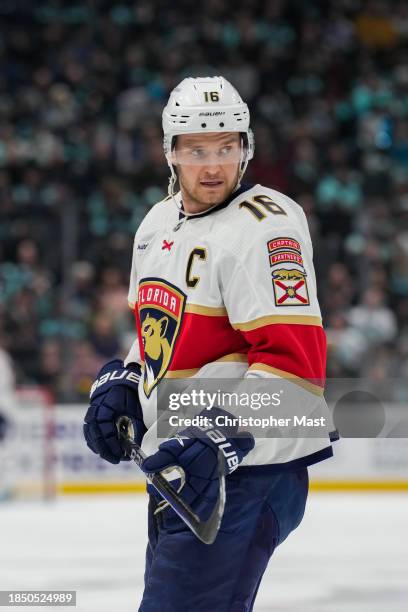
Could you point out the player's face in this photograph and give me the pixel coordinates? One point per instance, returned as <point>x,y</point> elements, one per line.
<point>207,167</point>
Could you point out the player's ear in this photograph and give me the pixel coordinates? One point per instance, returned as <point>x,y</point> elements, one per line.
<point>172,158</point>
<point>172,155</point>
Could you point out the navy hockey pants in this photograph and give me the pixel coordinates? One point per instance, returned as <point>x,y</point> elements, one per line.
<point>184,575</point>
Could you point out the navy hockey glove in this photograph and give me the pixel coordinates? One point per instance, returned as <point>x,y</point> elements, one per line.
<point>113,394</point>
<point>196,451</point>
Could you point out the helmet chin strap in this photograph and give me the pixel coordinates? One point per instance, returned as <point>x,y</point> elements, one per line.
<point>172,183</point>
<point>242,166</point>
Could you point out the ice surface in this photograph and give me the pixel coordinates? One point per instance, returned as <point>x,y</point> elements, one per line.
<point>350,554</point>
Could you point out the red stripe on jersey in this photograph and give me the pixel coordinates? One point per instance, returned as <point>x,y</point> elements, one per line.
<point>291,347</point>
<point>294,348</point>
<point>203,339</point>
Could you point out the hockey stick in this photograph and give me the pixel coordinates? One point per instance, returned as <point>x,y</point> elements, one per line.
<point>206,531</point>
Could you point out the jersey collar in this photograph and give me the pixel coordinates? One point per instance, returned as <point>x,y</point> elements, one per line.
<point>244,187</point>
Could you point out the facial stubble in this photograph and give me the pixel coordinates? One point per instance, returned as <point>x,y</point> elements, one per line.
<point>204,204</point>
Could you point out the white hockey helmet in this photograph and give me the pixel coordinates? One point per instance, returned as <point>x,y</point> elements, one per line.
<point>206,104</point>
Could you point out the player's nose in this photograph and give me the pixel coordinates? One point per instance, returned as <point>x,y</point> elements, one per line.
<point>212,171</point>
<point>212,163</point>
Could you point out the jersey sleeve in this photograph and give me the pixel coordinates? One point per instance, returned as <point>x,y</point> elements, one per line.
<point>269,291</point>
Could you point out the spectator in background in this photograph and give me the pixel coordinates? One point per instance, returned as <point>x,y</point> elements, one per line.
<point>103,336</point>
<point>373,318</point>
<point>81,373</point>
<point>375,27</point>
<point>49,372</point>
<point>347,347</point>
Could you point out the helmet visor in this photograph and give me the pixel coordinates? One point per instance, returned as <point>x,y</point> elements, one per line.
<point>214,155</point>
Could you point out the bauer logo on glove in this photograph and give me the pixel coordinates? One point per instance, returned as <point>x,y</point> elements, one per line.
<point>118,375</point>
<point>114,394</point>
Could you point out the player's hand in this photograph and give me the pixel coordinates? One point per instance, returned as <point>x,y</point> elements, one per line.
<point>113,394</point>
<point>196,452</point>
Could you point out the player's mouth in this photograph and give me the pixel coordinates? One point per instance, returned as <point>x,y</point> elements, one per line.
<point>211,184</point>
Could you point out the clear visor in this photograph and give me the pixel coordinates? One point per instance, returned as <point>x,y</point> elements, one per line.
<point>207,156</point>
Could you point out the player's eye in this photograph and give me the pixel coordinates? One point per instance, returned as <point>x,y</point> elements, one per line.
<point>197,153</point>
<point>225,151</point>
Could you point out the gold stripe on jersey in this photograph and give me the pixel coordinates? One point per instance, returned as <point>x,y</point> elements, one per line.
<point>231,358</point>
<point>276,319</point>
<point>181,373</point>
<point>305,384</point>
<point>209,311</point>
<point>234,357</point>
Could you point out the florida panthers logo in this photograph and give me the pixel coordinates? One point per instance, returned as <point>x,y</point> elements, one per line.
<point>160,311</point>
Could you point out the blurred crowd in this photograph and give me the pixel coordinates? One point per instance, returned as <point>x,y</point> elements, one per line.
<point>82,87</point>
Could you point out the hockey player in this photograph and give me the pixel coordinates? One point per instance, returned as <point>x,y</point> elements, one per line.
<point>222,286</point>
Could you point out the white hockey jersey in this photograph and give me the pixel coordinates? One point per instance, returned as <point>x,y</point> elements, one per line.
<point>229,293</point>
